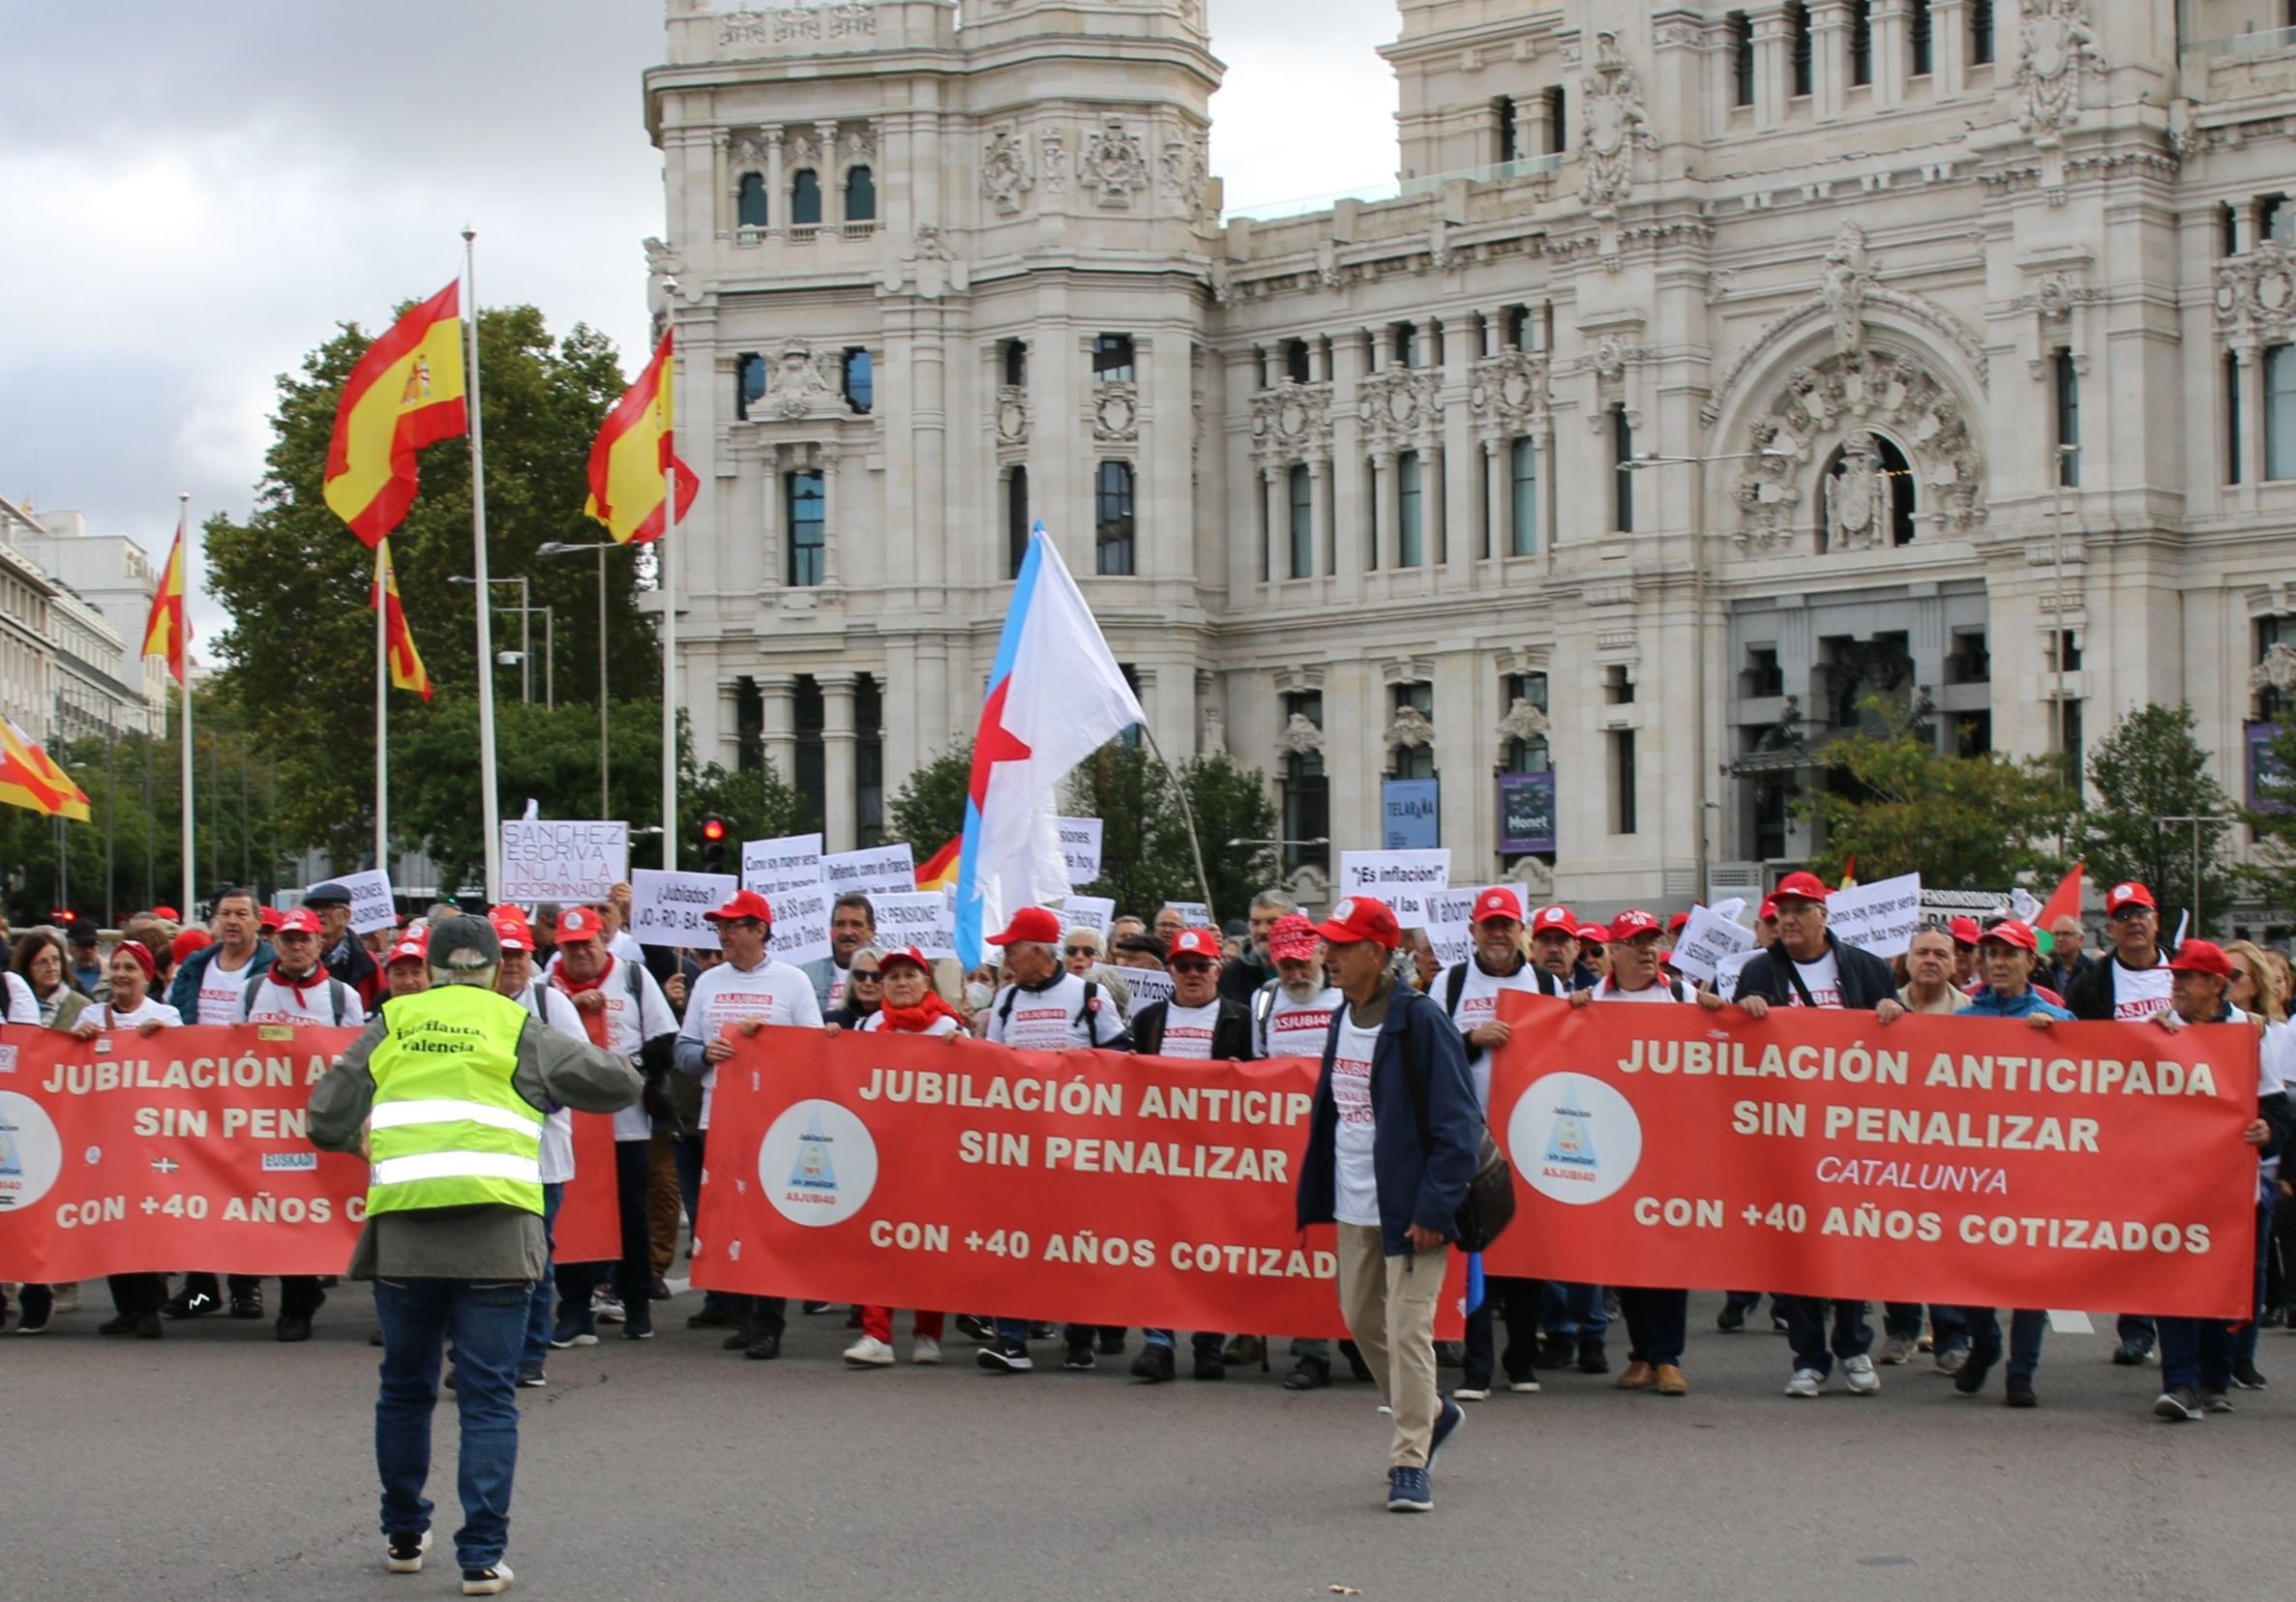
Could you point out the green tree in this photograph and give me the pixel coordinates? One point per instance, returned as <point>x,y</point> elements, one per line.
<point>1231,803</point>
<point>2148,768</point>
<point>1146,857</point>
<point>928,811</point>
<point>1963,823</point>
<point>300,656</point>
<point>2272,868</point>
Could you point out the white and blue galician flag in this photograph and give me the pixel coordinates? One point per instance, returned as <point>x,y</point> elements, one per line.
<point>1056,696</point>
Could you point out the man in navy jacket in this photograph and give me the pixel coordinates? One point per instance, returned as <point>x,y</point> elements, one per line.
<point>1392,1144</point>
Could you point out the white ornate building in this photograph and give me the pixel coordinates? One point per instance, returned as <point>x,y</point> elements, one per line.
<point>1961,332</point>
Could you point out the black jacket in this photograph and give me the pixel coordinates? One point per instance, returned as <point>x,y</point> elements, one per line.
<point>2090,993</point>
<point>1240,980</point>
<point>1231,1035</point>
<point>1866,981</point>
<point>358,968</point>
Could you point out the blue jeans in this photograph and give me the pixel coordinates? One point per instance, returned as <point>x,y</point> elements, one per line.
<point>2026,1327</point>
<point>1949,1327</point>
<point>1574,1311</point>
<point>537,1350</point>
<point>487,1320</point>
<point>1806,1330</point>
<point>2196,1354</point>
<point>1200,1341</point>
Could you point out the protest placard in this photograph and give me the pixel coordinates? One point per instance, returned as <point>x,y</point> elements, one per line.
<point>1400,878</point>
<point>1080,843</point>
<point>1198,915</point>
<point>669,910</point>
<point>788,873</point>
<point>1087,912</point>
<point>880,871</point>
<point>1882,916</point>
<point>549,859</point>
<point>926,919</point>
<point>1449,931</point>
<point>1147,985</point>
<point>372,906</point>
<point>1705,940</point>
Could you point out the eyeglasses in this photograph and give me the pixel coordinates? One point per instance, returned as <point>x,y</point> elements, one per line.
<point>1190,966</point>
<point>2132,914</point>
<point>740,923</point>
<point>1083,951</point>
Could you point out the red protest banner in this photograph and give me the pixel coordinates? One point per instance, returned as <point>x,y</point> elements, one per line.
<point>962,1177</point>
<point>186,1148</point>
<point>1938,1159</point>
<point>590,1225</point>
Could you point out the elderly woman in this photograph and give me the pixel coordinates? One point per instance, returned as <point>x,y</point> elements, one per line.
<point>2257,991</point>
<point>39,962</point>
<point>132,968</point>
<point>864,992</point>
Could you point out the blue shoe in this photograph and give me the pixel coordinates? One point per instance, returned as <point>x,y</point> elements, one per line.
<point>1409,1492</point>
<point>1447,1425</point>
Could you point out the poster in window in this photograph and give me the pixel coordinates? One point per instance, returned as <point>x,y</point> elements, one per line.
<point>1526,813</point>
<point>2268,775</point>
<point>1410,809</point>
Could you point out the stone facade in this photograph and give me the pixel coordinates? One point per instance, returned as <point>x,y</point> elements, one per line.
<point>1344,486</point>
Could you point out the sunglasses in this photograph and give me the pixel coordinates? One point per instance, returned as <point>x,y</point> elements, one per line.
<point>867,976</point>
<point>2132,914</point>
<point>1190,966</point>
<point>1083,951</point>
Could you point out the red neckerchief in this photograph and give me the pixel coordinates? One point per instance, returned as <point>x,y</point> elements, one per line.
<point>316,977</point>
<point>593,1022</point>
<point>920,1018</point>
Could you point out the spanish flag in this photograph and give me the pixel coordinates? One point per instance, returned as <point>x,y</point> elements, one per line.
<point>405,393</point>
<point>407,663</point>
<point>635,447</point>
<point>30,778</point>
<point>940,871</point>
<point>167,634</point>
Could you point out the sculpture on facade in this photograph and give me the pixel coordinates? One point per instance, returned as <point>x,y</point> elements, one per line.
<point>1114,164</point>
<point>1004,175</point>
<point>1847,277</point>
<point>1858,498</point>
<point>1300,738</point>
<point>2058,45</point>
<point>1612,125</point>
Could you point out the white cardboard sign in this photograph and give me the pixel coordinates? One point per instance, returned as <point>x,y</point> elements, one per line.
<point>1080,842</point>
<point>1705,940</point>
<point>1403,880</point>
<point>372,904</point>
<point>1087,912</point>
<point>1882,916</point>
<point>788,873</point>
<point>926,919</point>
<point>549,859</point>
<point>1198,915</point>
<point>1448,929</point>
<point>666,910</point>
<point>1727,970</point>
<point>880,871</point>
<point>1147,985</point>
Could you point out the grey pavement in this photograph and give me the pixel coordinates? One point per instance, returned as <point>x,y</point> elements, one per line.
<point>216,1464</point>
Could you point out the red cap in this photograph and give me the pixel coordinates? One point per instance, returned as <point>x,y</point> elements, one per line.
<point>2132,894</point>
<point>512,932</point>
<point>904,954</point>
<point>1800,887</point>
<point>1195,942</point>
<point>266,917</point>
<point>1964,930</point>
<point>188,941</point>
<point>301,921</point>
<point>580,923</point>
<point>1498,902</point>
<point>1293,938</point>
<point>1361,918</point>
<point>2200,957</point>
<point>1594,933</point>
<point>168,913</point>
<point>1632,922</point>
<point>415,945</point>
<point>2015,932</point>
<point>1767,911</point>
<point>1553,917</point>
<point>1031,926</point>
<point>1675,923</point>
<point>744,904</point>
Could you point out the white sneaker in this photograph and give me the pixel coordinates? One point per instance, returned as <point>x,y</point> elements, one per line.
<point>605,1309</point>
<point>1859,1372</point>
<point>493,1582</point>
<point>1523,1387</point>
<point>926,1351</point>
<point>869,1352</point>
<point>1805,1382</point>
<point>1471,1393</point>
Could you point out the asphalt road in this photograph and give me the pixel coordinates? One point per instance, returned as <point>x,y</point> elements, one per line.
<point>218,1464</point>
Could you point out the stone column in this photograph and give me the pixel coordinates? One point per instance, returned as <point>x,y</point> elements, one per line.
<point>1433,506</point>
<point>776,694</point>
<point>928,365</point>
<point>1949,45</point>
<point>1830,56</point>
<point>1385,494</point>
<point>840,795</point>
<point>1319,483</point>
<point>833,517</point>
<point>721,181</point>
<point>1774,66</point>
<point>1893,51</point>
<point>825,174</point>
<point>1500,490</point>
<point>777,192</point>
<point>1276,496</point>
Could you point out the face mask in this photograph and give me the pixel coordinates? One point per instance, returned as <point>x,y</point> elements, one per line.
<point>978,996</point>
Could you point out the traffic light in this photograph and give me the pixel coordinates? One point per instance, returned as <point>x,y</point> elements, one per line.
<point>713,845</point>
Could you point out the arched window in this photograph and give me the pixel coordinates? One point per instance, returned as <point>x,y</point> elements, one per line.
<point>805,198</point>
<point>752,202</point>
<point>1870,499</point>
<point>860,196</point>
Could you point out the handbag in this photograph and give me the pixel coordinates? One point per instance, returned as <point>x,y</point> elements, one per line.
<point>1489,1206</point>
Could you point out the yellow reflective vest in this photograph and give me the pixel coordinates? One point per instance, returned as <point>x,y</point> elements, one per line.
<point>449,1128</point>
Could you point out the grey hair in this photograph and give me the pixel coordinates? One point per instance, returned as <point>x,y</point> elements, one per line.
<point>1089,932</point>
<point>1051,951</point>
<point>1272,898</point>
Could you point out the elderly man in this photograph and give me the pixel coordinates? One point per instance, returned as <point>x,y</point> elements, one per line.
<point>1140,951</point>
<point>1253,967</point>
<point>1170,921</point>
<point>1554,947</point>
<point>344,954</point>
<point>852,930</point>
<point>2068,957</point>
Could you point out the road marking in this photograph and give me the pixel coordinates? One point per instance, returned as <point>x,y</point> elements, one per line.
<point>2070,1324</point>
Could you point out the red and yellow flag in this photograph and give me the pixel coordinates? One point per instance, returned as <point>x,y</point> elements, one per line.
<point>405,393</point>
<point>407,663</point>
<point>938,872</point>
<point>30,778</point>
<point>167,634</point>
<point>635,447</point>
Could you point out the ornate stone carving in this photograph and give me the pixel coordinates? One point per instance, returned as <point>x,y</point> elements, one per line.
<point>1790,324</point>
<point>1410,732</point>
<point>1848,277</point>
<point>1052,161</point>
<point>1112,165</point>
<point>1854,395</point>
<point>1213,740</point>
<point>791,24</point>
<point>1612,126</point>
<point>1116,413</point>
<point>1524,722</point>
<point>1012,414</point>
<point>2256,294</point>
<point>1396,406</point>
<point>860,142</point>
<point>803,383</point>
<point>1859,497</point>
<point>2277,671</point>
<point>1507,394</point>
<point>1300,738</point>
<point>1292,422</point>
<point>805,149</point>
<point>2058,45</point>
<point>1004,174</point>
<point>1187,171</point>
<point>752,152</point>
<point>928,247</point>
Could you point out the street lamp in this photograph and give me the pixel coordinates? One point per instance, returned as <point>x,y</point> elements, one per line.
<point>2195,823</point>
<point>1698,656</point>
<point>526,628</point>
<point>2067,454</point>
<point>570,548</point>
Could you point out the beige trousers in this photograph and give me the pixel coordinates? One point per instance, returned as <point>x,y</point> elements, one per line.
<point>1388,1303</point>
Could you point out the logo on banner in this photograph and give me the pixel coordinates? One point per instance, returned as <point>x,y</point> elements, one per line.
<point>31,1153</point>
<point>818,1164</point>
<point>1587,1139</point>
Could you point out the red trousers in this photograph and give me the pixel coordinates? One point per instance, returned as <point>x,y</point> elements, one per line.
<point>879,1323</point>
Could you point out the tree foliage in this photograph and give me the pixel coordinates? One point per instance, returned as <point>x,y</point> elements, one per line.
<point>2151,768</point>
<point>1146,857</point>
<point>299,662</point>
<point>928,811</point>
<point>2272,866</point>
<point>1963,823</point>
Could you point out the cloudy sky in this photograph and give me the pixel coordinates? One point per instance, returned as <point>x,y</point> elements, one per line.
<point>198,192</point>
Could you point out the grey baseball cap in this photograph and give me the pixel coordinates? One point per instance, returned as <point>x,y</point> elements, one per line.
<point>466,942</point>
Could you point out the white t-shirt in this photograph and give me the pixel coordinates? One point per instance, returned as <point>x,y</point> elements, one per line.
<point>1822,979</point>
<point>2137,993</point>
<point>554,1011</point>
<point>1355,1180</point>
<point>152,1011</point>
<point>875,1024</point>
<point>24,1007</point>
<point>1049,1019</point>
<point>1297,1028</point>
<point>220,990</point>
<point>630,1022</point>
<point>275,1001</point>
<point>1478,1005</point>
<point>771,992</point>
<point>1658,991</point>
<point>1187,1031</point>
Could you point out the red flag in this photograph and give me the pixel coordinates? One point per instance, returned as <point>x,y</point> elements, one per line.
<point>2065,901</point>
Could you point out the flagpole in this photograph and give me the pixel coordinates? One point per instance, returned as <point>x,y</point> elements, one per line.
<point>666,547</point>
<point>489,802</point>
<point>183,507</point>
<point>382,703</point>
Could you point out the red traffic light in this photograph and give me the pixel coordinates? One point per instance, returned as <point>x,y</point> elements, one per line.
<point>713,829</point>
